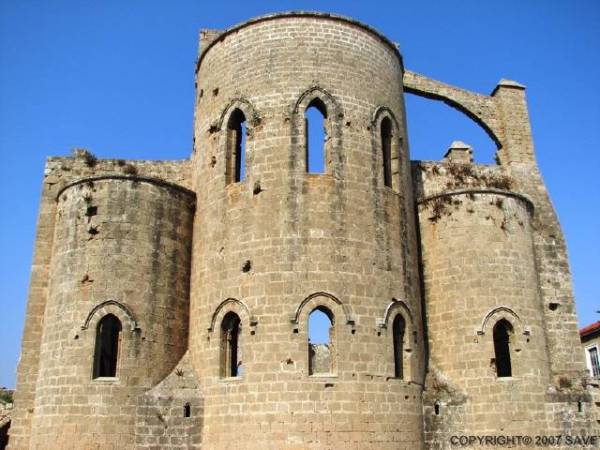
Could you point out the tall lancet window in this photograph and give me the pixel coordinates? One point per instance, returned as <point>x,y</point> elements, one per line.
<point>386,151</point>
<point>398,332</point>
<point>316,136</point>
<point>236,147</point>
<point>230,340</point>
<point>108,340</point>
<point>502,336</point>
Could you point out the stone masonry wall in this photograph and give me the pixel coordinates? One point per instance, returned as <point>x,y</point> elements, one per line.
<point>130,238</point>
<point>170,415</point>
<point>339,240</point>
<point>119,241</point>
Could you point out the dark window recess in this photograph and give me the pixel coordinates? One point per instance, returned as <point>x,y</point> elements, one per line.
<point>108,339</point>
<point>386,150</point>
<point>502,335</point>
<point>187,410</point>
<point>230,336</point>
<point>398,331</point>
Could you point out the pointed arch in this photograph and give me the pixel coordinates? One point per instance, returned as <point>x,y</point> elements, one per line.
<point>332,113</point>
<point>232,304</point>
<point>328,299</point>
<point>314,92</point>
<point>398,321</point>
<point>390,310</point>
<point>111,307</point>
<point>503,312</point>
<point>243,105</point>
<point>388,147</point>
<point>237,122</point>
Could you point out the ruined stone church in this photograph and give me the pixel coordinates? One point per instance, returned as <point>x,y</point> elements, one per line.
<point>170,300</point>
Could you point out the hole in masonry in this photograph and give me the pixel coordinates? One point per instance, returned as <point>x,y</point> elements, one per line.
<point>247,267</point>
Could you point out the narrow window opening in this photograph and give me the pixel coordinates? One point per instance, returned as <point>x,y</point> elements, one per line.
<point>399,329</point>
<point>594,362</point>
<point>436,407</point>
<point>230,334</point>
<point>502,335</point>
<point>320,349</point>
<point>236,147</point>
<point>579,407</point>
<point>187,410</point>
<point>386,150</point>
<point>316,135</point>
<point>108,337</point>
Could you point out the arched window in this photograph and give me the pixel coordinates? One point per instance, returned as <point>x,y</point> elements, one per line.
<point>236,147</point>
<point>187,410</point>
<point>398,332</point>
<point>386,150</point>
<point>503,331</point>
<point>320,341</point>
<point>230,350</point>
<point>108,338</point>
<point>316,136</point>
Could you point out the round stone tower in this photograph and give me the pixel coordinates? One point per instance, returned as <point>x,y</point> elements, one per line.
<point>483,303</point>
<point>117,308</point>
<point>274,242</point>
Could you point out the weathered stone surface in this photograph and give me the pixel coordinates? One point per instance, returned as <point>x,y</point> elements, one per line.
<point>173,247</point>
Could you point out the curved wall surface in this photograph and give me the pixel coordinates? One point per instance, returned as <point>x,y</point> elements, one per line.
<point>121,247</point>
<point>282,242</point>
<point>479,269</point>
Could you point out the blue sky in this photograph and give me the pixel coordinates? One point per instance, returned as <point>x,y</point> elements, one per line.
<point>116,77</point>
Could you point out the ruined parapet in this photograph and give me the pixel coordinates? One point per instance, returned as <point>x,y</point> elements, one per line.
<point>60,172</point>
<point>475,232</point>
<point>481,279</point>
<point>121,250</point>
